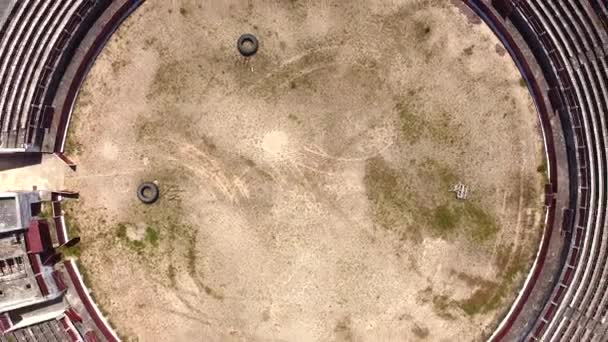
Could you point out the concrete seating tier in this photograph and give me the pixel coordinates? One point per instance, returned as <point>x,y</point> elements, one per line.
<point>49,331</point>
<point>35,39</point>
<point>570,43</point>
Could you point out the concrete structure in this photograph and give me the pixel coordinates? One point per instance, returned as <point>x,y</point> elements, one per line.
<point>39,294</point>
<point>570,43</point>
<point>37,41</point>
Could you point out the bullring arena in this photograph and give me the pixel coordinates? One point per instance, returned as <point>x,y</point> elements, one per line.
<point>348,171</point>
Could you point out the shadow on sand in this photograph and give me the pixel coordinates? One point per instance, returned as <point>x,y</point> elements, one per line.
<point>15,161</point>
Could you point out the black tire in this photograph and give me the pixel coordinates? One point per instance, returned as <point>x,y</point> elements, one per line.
<point>147,192</point>
<point>245,49</point>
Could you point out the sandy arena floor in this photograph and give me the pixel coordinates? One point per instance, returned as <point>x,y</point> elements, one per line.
<point>305,192</point>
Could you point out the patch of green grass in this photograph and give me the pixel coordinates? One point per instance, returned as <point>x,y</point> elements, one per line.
<point>522,83</point>
<point>489,295</point>
<point>390,199</point>
<point>503,257</point>
<point>484,299</point>
<point>192,255</point>
<point>471,280</point>
<point>71,224</point>
<point>169,79</point>
<point>529,192</point>
<point>121,231</point>
<point>151,236</point>
<point>420,332</point>
<point>452,216</point>
<point>440,131</point>
<point>72,147</point>
<point>412,125</point>
<point>343,329</point>
<point>213,293</point>
<point>46,210</point>
<point>425,295</point>
<point>149,42</point>
<point>294,118</point>
<point>171,275</point>
<point>517,265</point>
<point>469,50</point>
<point>442,306</point>
<point>385,184</point>
<point>416,124</point>
<point>74,251</point>
<point>118,64</point>
<point>422,30</point>
<point>135,245</point>
<point>447,214</point>
<point>441,175</point>
<point>542,168</point>
<point>487,298</point>
<point>484,225</point>
<point>398,207</point>
<point>444,219</point>
<point>84,272</point>
<point>144,129</point>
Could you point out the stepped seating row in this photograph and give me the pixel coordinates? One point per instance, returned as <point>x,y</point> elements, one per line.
<point>570,43</point>
<point>542,102</point>
<point>569,35</point>
<point>49,331</point>
<point>35,37</point>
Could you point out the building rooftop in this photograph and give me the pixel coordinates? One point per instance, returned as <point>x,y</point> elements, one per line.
<point>17,282</point>
<point>9,213</point>
<point>22,275</point>
<point>15,210</point>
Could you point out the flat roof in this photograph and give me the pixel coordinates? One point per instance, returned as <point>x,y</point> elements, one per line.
<point>33,239</point>
<point>18,285</point>
<point>9,213</point>
<point>15,209</point>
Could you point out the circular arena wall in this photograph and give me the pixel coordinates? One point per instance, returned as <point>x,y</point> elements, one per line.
<point>168,266</point>
<point>166,95</point>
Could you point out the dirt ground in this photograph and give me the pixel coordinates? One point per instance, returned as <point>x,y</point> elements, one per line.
<point>305,191</point>
<point>46,174</point>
